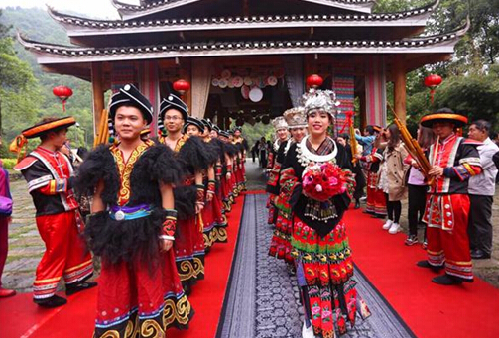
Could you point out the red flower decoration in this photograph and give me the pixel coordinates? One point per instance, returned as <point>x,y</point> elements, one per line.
<point>323,181</point>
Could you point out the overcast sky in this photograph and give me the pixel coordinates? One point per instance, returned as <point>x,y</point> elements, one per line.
<point>90,8</point>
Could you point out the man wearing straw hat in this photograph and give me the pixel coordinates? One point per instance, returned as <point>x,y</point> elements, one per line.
<point>454,160</point>
<point>50,182</point>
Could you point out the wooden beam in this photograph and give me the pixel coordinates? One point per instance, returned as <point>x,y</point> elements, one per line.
<point>97,96</point>
<point>400,88</point>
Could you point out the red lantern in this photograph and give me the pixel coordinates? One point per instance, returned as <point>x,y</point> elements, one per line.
<point>181,86</point>
<point>314,81</point>
<point>63,93</point>
<point>432,81</point>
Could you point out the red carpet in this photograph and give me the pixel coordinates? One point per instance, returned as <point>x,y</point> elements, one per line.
<point>429,309</point>
<point>21,318</point>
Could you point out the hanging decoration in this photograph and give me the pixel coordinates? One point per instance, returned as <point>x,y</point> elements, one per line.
<point>432,81</point>
<point>249,81</point>
<point>314,81</point>
<point>181,86</point>
<point>63,93</point>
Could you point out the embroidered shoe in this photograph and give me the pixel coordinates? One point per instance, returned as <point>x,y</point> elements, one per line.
<point>388,224</point>
<point>411,240</point>
<point>394,228</point>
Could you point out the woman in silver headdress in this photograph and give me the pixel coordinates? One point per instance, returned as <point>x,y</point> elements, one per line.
<point>317,181</point>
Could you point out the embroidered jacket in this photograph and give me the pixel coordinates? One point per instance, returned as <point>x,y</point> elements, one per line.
<point>291,188</point>
<point>460,160</point>
<point>131,187</point>
<point>50,182</point>
<point>278,159</point>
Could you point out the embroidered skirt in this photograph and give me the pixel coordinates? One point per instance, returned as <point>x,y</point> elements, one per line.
<point>324,270</point>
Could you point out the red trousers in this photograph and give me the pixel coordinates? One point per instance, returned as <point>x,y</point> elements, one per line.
<point>376,200</point>
<point>66,256</point>
<point>449,247</point>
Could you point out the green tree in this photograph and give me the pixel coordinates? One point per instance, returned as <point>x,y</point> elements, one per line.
<point>17,84</point>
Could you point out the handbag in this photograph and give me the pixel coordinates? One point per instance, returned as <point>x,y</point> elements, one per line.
<point>5,206</point>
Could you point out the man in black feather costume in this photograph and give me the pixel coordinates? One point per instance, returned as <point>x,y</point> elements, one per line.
<point>189,195</point>
<point>132,226</point>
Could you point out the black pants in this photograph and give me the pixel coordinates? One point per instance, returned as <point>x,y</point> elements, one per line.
<point>360,182</point>
<point>417,204</point>
<point>394,209</point>
<point>263,159</point>
<point>479,223</point>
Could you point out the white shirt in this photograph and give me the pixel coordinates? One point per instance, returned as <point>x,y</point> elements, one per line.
<point>485,183</point>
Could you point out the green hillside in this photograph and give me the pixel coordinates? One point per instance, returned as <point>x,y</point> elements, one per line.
<point>39,101</point>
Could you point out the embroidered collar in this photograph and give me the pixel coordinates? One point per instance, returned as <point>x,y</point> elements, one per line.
<point>305,156</point>
<point>449,138</point>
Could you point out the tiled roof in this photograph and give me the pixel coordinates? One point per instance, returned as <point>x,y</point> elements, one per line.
<point>75,23</point>
<point>128,11</point>
<point>431,44</point>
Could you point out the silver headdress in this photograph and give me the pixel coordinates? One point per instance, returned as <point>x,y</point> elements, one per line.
<point>320,99</point>
<point>295,117</point>
<point>279,123</point>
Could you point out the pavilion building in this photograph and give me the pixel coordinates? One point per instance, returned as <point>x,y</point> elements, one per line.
<point>246,59</point>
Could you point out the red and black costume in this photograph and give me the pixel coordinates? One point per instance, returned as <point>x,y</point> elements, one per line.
<point>227,184</point>
<point>140,290</point>
<point>320,244</point>
<point>50,182</point>
<point>280,245</point>
<point>447,206</point>
<point>189,243</point>
<point>376,200</point>
<point>214,220</point>
<point>274,168</point>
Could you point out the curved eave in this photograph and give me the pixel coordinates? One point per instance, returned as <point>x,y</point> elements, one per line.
<point>352,5</point>
<point>53,54</point>
<point>77,27</point>
<point>130,12</point>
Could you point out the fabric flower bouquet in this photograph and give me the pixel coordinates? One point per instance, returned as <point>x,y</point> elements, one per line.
<point>323,181</point>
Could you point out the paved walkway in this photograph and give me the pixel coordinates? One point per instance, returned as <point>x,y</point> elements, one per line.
<point>26,247</point>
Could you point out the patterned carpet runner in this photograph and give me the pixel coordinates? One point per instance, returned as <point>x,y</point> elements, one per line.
<point>263,299</point>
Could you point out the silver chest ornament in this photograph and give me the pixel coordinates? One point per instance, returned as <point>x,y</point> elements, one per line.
<point>119,215</point>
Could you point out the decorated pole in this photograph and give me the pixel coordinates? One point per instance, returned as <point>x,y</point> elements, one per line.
<point>63,93</point>
<point>432,81</point>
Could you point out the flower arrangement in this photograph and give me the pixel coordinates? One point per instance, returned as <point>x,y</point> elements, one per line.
<point>323,181</point>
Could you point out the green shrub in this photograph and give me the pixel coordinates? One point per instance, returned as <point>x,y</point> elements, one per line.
<point>9,163</point>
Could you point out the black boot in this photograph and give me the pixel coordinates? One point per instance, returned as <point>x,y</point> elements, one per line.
<point>447,280</point>
<point>51,302</point>
<point>77,287</point>
<point>426,265</point>
<point>357,204</point>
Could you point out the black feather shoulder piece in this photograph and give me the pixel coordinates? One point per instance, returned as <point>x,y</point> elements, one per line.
<point>99,165</point>
<point>164,165</point>
<point>221,148</point>
<point>212,152</point>
<point>193,154</point>
<point>230,149</point>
